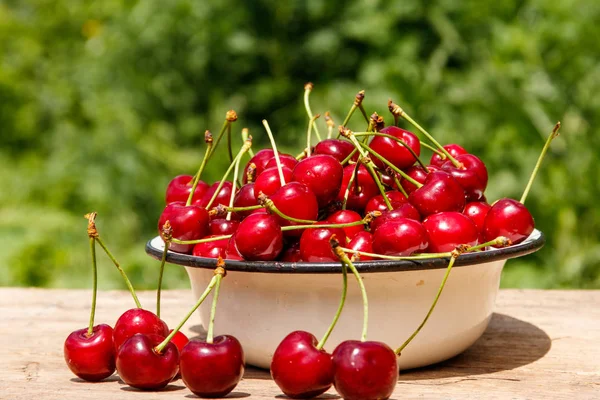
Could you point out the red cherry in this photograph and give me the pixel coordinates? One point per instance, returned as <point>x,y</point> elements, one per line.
<point>440,192</point>
<point>231,252</point>
<point>339,149</point>
<point>454,150</point>
<point>179,340</point>
<point>476,211</point>
<point>269,182</point>
<point>314,243</point>
<point>187,222</point>
<point>213,249</point>
<point>448,230</point>
<point>345,217</point>
<point>221,226</point>
<point>363,241</point>
<point>362,189</point>
<point>259,238</point>
<point>322,174</point>
<point>245,198</point>
<point>393,151</point>
<point>295,200</point>
<point>508,218</point>
<point>286,160</point>
<point>140,366</point>
<point>180,187</point>
<point>291,253</point>
<point>472,175</point>
<point>299,369</point>
<point>364,370</point>
<point>377,204</point>
<point>222,198</point>
<point>400,237</point>
<point>405,210</point>
<point>91,358</point>
<point>137,320</point>
<point>260,159</point>
<point>212,369</point>
<point>418,174</point>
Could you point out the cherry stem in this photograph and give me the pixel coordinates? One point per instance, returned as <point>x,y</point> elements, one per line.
<point>399,185</point>
<point>167,235</point>
<point>400,141</point>
<point>453,258</point>
<point>229,151</point>
<point>553,134</point>
<point>323,340</point>
<point>207,291</point>
<point>345,160</point>
<point>276,153</point>
<point>307,89</point>
<point>209,144</point>
<point>330,124</point>
<point>212,239</point>
<point>219,136</point>
<point>269,205</point>
<point>430,147</point>
<point>313,226</point>
<point>236,171</point>
<point>245,134</point>
<point>364,113</point>
<point>310,124</point>
<point>344,259</point>
<point>351,181</point>
<point>392,166</point>
<point>125,278</point>
<point>244,149</point>
<point>90,331</point>
<point>213,309</point>
<point>236,209</point>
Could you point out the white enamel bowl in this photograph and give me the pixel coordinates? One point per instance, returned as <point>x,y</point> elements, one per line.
<point>261,302</point>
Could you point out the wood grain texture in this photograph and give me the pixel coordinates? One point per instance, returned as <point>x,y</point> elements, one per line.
<point>540,344</point>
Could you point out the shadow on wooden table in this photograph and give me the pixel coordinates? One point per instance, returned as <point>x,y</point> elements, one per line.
<point>507,343</point>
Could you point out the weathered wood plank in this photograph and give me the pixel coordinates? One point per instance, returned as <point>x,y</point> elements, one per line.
<point>540,344</point>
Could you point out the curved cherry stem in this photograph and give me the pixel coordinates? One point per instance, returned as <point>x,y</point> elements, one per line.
<point>399,185</point>
<point>400,141</point>
<point>307,89</point>
<point>308,134</point>
<point>160,347</point>
<point>338,313</point>
<point>314,226</point>
<point>351,181</point>
<point>123,274</point>
<point>229,150</point>
<point>236,209</point>
<point>344,259</point>
<point>276,153</point>
<point>90,331</point>
<point>269,205</point>
<point>212,239</point>
<point>553,134</point>
<point>208,139</point>
<point>455,255</point>
<point>167,235</point>
<point>236,171</point>
<point>430,147</point>
<point>392,166</point>
<point>330,124</point>
<point>357,102</point>
<point>219,137</point>
<point>213,309</point>
<point>345,160</point>
<point>245,134</point>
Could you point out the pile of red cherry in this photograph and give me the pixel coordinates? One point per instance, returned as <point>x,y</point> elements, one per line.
<point>368,190</point>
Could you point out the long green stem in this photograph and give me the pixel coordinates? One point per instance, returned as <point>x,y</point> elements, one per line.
<point>160,276</point>
<point>339,310</point>
<point>207,151</point>
<point>345,160</point>
<point>276,153</point>
<point>317,226</point>
<point>236,171</point>
<point>399,185</point>
<point>229,151</point>
<point>363,292</point>
<point>245,134</point>
<point>353,178</point>
<point>307,89</point>
<point>430,147</point>
<point>207,291</point>
<point>308,134</point>
<point>437,296</point>
<point>553,134</point>
<point>212,239</point>
<point>213,309</point>
<point>125,278</point>
<point>392,166</point>
<point>399,141</point>
<point>95,285</point>
<point>219,137</point>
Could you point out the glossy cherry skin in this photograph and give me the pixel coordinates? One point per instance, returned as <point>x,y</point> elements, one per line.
<point>187,222</point>
<point>212,369</point>
<point>222,226</point>
<point>419,174</point>
<point>405,210</point>
<point>214,249</point>
<point>477,211</point>
<point>245,197</point>
<point>259,237</point>
<point>322,174</point>
<point>231,252</point>
<point>339,149</point>
<point>299,369</point>
<point>260,159</point>
<point>440,192</point>
<point>367,188</point>
<point>141,367</point>
<point>401,237</point>
<point>454,149</point>
<point>345,217</point>
<point>291,253</point>
<point>508,218</point>
<point>286,160</point>
<point>364,370</point>
<point>91,358</point>
<point>472,175</point>
<point>447,230</point>
<point>295,200</point>
<point>393,151</point>
<point>179,340</point>
<point>362,241</point>
<point>314,243</point>
<point>137,320</point>
<point>180,187</point>
<point>269,181</point>
<point>222,198</point>
<point>377,203</point>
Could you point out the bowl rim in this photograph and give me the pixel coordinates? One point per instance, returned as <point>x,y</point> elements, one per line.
<point>535,241</point>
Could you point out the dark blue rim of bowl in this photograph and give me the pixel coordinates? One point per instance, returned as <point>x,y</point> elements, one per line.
<point>532,244</point>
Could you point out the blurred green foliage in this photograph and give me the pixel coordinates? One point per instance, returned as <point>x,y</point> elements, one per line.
<point>101,103</point>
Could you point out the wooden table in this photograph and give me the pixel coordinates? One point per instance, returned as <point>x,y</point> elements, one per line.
<point>540,344</point>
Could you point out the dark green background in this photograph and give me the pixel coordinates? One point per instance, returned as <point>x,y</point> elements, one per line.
<point>101,102</point>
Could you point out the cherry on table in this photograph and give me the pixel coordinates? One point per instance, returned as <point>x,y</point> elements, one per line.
<point>364,370</point>
<point>400,237</point>
<point>508,218</point>
<point>440,192</point>
<point>300,369</point>
<point>180,187</point>
<point>137,320</point>
<point>259,237</point>
<point>188,223</point>
<point>448,230</point>
<point>91,358</point>
<point>212,369</point>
